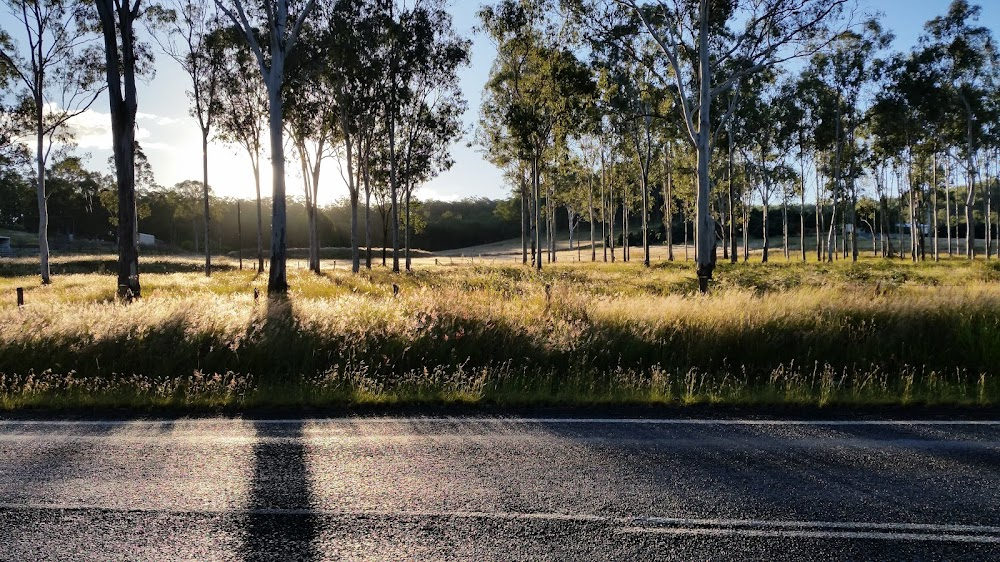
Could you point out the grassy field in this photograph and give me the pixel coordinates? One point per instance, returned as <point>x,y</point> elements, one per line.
<point>873,333</point>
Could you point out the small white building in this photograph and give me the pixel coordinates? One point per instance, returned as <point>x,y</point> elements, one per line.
<point>5,249</point>
<point>147,239</point>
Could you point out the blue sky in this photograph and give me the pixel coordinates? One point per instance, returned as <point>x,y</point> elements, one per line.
<point>172,140</point>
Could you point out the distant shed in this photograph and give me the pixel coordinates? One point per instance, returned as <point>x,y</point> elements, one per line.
<point>5,249</point>
<point>147,239</point>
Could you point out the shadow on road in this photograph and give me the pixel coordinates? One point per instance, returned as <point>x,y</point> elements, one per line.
<point>278,524</point>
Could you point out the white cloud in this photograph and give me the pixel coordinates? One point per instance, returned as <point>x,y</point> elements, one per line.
<point>157,119</point>
<point>431,194</point>
<point>92,129</point>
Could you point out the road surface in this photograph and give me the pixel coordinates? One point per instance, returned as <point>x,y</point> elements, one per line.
<point>499,489</point>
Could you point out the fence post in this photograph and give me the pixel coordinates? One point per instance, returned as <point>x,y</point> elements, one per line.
<point>20,296</point>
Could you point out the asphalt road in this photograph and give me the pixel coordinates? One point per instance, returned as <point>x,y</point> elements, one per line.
<point>499,489</point>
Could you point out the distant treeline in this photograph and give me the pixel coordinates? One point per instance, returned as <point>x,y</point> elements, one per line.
<point>79,206</point>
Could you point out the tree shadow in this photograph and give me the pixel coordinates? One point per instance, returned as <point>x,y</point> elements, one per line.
<point>278,523</point>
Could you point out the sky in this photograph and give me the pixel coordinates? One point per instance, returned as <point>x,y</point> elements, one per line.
<point>172,142</point>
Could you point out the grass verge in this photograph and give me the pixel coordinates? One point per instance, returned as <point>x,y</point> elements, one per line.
<point>819,335</point>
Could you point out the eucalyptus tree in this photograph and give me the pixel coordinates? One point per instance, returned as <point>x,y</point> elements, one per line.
<point>637,100</point>
<point>311,119</point>
<point>125,58</point>
<point>767,140</point>
<point>430,105</point>
<point>355,59</point>
<point>935,108</point>
<point>800,124</point>
<point>668,198</point>
<point>848,68</point>
<point>58,74</point>
<point>242,115</point>
<point>817,104</point>
<point>500,151</point>
<point>516,29</point>
<point>185,32</point>
<point>536,87</point>
<point>281,28</point>
<point>743,36</point>
<point>895,122</point>
<point>590,160</point>
<point>965,53</point>
<point>632,97</point>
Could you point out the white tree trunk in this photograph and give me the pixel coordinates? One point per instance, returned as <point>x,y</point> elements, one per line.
<point>277,281</point>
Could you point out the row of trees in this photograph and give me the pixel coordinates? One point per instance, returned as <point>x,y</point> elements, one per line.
<point>620,109</point>
<point>82,210</point>
<point>600,107</point>
<point>369,84</point>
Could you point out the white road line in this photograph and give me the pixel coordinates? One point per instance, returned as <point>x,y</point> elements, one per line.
<point>848,525</point>
<point>319,438</point>
<point>664,525</point>
<point>501,420</point>
<point>793,534</point>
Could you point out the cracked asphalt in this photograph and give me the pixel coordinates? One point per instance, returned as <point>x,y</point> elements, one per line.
<point>499,489</point>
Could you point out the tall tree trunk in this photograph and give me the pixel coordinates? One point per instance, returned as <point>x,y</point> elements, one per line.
<point>837,177</point>
<point>668,212</point>
<point>277,281</point>
<point>352,188</point>
<point>208,216</point>
<point>570,226</point>
<point>732,196</point>
<point>884,232</point>
<point>593,227</point>
<point>626,246</point>
<point>525,221</point>
<point>986,212</point>
<point>120,71</point>
<point>239,233</point>
<point>314,250</point>
<point>406,229</point>
<point>645,223</point>
<point>550,209</point>
<point>970,226</point>
<point>947,200</point>
<point>394,194</point>
<point>996,182</point>
<point>533,226</point>
<point>767,239</point>
<point>705,228</point>
<point>385,240</point>
<point>784,225</point>
<point>307,191</point>
<point>538,210</point>
<point>43,199</point>
<point>366,167</point>
<point>611,220</point>
<point>899,228</point>
<point>685,237</point>
<point>604,209</point>
<point>854,218</point>
<point>934,204</point>
<point>260,218</point>
<point>819,213</point>
<point>913,206</point>
<point>802,198</point>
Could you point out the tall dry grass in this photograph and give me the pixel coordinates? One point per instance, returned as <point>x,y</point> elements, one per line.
<point>588,333</point>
